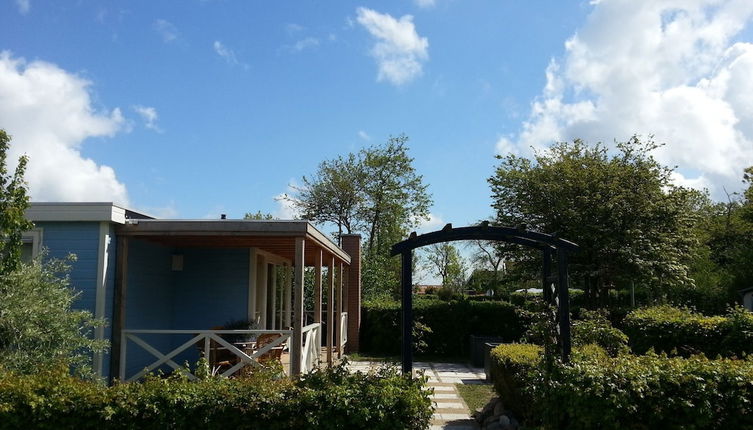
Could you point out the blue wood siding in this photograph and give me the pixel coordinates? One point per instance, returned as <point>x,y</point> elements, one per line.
<point>82,239</point>
<point>211,289</point>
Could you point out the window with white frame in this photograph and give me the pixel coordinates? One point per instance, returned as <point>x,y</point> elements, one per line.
<point>32,241</point>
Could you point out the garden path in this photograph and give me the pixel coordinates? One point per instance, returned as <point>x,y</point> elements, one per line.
<point>451,412</point>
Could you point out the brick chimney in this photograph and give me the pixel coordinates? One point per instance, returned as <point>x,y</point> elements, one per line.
<point>351,243</point>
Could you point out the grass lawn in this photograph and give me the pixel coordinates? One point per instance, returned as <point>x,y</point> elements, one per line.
<point>475,395</point>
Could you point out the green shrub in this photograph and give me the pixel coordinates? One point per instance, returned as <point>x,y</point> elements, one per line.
<point>595,328</point>
<point>524,299</point>
<point>326,399</point>
<point>38,326</point>
<point>513,370</point>
<point>686,332</point>
<point>451,324</point>
<point>650,392</point>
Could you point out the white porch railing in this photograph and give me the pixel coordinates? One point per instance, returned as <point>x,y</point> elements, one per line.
<point>207,336</point>
<point>311,347</point>
<point>343,330</point>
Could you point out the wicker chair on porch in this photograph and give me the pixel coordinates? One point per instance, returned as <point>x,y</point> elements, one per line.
<point>273,354</point>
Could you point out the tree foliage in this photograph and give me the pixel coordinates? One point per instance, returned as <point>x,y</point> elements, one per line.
<point>38,325</point>
<point>631,222</point>
<point>376,192</point>
<point>446,262</point>
<point>13,202</point>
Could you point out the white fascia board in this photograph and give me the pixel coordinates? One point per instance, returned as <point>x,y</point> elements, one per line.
<point>100,211</point>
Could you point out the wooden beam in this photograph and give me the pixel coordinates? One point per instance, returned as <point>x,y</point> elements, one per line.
<point>338,324</point>
<point>287,296</point>
<point>295,348</point>
<point>406,282</point>
<point>330,308</point>
<point>318,301</point>
<point>251,305</point>
<point>119,308</point>
<point>261,284</point>
<point>563,307</point>
<point>273,294</point>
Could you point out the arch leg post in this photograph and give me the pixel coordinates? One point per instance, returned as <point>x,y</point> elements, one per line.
<point>406,282</point>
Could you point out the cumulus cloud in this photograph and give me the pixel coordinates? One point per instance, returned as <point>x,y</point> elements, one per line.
<point>149,115</point>
<point>166,29</point>
<point>49,113</point>
<point>675,70</point>
<point>399,51</point>
<point>23,6</point>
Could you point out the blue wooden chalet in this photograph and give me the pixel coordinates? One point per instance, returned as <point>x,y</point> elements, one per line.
<point>167,288</point>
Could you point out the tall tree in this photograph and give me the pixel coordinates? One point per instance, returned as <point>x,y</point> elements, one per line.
<point>377,192</point>
<point>447,263</point>
<point>334,194</point>
<point>396,198</point>
<point>631,222</point>
<point>14,201</point>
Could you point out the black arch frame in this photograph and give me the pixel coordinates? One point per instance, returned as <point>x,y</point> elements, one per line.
<point>555,286</point>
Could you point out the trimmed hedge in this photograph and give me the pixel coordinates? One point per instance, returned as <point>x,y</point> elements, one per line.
<point>327,399</point>
<point>513,368</point>
<point>686,332</point>
<point>651,391</point>
<point>450,325</point>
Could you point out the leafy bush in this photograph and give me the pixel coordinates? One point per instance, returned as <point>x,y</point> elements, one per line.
<point>38,327</point>
<point>513,370</point>
<point>450,323</point>
<point>595,328</point>
<point>596,391</point>
<point>650,392</point>
<point>529,299</point>
<point>326,399</point>
<point>681,330</point>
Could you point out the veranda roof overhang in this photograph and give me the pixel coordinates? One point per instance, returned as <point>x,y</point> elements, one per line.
<point>274,236</point>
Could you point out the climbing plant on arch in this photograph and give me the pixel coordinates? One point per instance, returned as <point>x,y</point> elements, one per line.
<point>554,284</point>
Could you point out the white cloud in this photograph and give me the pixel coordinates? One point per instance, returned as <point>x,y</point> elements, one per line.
<point>425,3</point>
<point>363,135</point>
<point>23,6</point>
<point>309,42</point>
<point>226,53</point>
<point>149,115</point>
<point>285,208</point>
<point>49,113</point>
<point>505,146</point>
<point>166,29</point>
<point>399,51</point>
<point>676,72</point>
<point>435,222</point>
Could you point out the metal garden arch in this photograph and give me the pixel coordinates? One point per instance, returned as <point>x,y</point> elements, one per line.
<point>554,285</point>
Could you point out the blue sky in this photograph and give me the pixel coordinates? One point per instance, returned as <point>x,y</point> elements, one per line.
<point>199,107</point>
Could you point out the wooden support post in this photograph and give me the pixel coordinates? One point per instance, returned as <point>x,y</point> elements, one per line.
<point>563,307</point>
<point>251,305</point>
<point>295,348</point>
<point>117,367</point>
<point>273,294</point>
<point>546,273</point>
<point>318,301</point>
<point>262,289</point>
<point>406,282</point>
<point>330,308</point>
<point>339,318</point>
<point>287,299</point>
